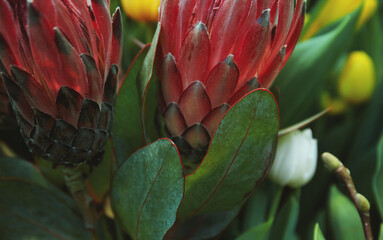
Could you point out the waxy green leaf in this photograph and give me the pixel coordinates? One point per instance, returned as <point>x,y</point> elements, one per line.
<point>303,78</point>
<point>318,235</point>
<point>238,157</point>
<point>127,128</point>
<point>32,208</point>
<point>147,190</point>
<point>343,217</point>
<point>378,178</point>
<point>285,222</point>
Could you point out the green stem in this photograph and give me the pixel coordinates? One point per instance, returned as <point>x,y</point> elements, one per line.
<point>76,185</point>
<point>275,202</point>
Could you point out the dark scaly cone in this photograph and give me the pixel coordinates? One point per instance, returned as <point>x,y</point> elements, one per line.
<point>58,63</point>
<point>57,140</point>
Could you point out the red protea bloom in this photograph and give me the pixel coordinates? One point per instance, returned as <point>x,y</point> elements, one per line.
<point>213,52</point>
<point>57,61</point>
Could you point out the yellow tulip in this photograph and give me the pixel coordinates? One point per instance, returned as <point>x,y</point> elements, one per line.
<point>357,79</point>
<point>334,10</point>
<point>336,105</point>
<point>141,10</point>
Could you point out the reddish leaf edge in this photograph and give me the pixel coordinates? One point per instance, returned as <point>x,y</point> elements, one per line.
<point>271,156</point>
<point>142,50</point>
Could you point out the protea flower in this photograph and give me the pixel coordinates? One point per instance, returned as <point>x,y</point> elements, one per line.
<point>213,52</point>
<point>57,61</point>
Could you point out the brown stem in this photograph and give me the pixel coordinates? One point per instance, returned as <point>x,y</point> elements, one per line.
<point>360,202</point>
<point>344,175</point>
<point>76,184</point>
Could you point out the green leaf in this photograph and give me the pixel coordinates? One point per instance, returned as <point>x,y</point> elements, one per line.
<point>148,87</point>
<point>21,170</point>
<point>101,176</point>
<point>303,78</point>
<point>204,226</point>
<point>258,232</point>
<point>286,220</point>
<point>127,128</point>
<point>238,156</point>
<point>378,178</point>
<point>255,209</point>
<point>147,69</point>
<point>318,235</point>
<point>29,211</point>
<point>147,190</point>
<point>343,217</point>
<point>381,232</point>
<point>33,208</point>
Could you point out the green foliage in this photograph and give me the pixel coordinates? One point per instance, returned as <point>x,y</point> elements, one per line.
<point>260,231</point>
<point>378,178</point>
<point>147,190</point>
<point>302,79</point>
<point>343,217</point>
<point>285,221</point>
<point>318,235</point>
<point>127,126</point>
<point>237,158</point>
<point>32,208</point>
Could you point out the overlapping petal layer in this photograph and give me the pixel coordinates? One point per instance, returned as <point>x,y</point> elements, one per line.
<point>213,52</point>
<point>58,63</point>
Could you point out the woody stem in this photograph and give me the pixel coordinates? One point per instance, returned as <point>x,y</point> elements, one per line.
<point>75,183</point>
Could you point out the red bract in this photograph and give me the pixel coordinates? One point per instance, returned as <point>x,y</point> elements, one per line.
<point>57,60</point>
<point>213,52</point>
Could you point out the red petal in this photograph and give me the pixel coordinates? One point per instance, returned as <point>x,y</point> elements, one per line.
<point>197,136</point>
<point>117,38</point>
<point>268,76</point>
<point>69,23</point>
<point>19,103</point>
<point>175,122</point>
<point>184,23</point>
<point>95,80</point>
<point>69,104</point>
<point>36,95</point>
<point>168,19</point>
<point>194,55</point>
<point>211,121</point>
<point>104,23</point>
<point>8,29</point>
<point>224,30</point>
<point>244,89</point>
<point>7,57</point>
<point>222,81</point>
<point>41,38</point>
<point>171,82</point>
<point>249,55</point>
<point>285,17</point>
<point>195,103</point>
<point>296,30</point>
<point>71,65</point>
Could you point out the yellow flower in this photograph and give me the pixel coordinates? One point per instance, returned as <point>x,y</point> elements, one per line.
<point>141,10</point>
<point>334,10</point>
<point>336,105</point>
<point>357,79</point>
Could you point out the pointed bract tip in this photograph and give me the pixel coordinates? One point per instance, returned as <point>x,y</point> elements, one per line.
<point>229,60</point>
<point>33,14</point>
<point>62,43</point>
<point>264,19</point>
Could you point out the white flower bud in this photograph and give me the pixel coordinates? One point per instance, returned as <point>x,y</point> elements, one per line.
<point>296,159</point>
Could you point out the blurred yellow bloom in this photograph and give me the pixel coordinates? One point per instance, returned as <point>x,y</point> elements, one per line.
<point>334,10</point>
<point>141,10</point>
<point>337,106</point>
<point>357,78</point>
